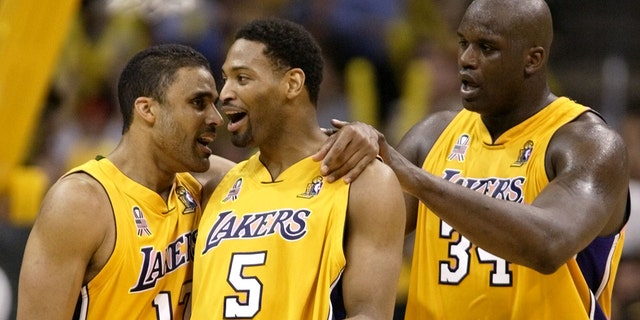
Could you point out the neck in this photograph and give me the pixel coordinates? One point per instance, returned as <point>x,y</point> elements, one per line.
<point>499,124</point>
<point>137,161</point>
<point>279,155</point>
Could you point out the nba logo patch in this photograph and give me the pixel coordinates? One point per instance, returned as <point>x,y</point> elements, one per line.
<point>232,195</point>
<point>313,188</point>
<point>459,150</point>
<point>141,222</point>
<point>187,200</point>
<point>524,155</point>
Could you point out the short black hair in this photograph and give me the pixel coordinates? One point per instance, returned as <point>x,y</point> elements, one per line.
<point>288,45</point>
<point>150,72</point>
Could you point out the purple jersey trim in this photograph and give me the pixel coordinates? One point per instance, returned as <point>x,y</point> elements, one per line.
<point>595,263</point>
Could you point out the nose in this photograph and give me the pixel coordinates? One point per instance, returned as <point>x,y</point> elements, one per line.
<point>226,92</point>
<point>213,117</point>
<point>467,57</point>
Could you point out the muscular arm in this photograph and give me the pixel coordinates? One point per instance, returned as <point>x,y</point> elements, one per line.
<point>71,240</point>
<point>585,198</point>
<point>413,148</point>
<point>374,244</point>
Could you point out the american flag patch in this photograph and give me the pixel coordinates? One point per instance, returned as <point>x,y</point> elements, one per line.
<point>460,148</point>
<point>232,195</point>
<point>141,222</point>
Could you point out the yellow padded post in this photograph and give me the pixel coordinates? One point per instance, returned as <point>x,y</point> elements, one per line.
<point>416,95</point>
<point>32,33</point>
<point>360,84</point>
<point>26,186</point>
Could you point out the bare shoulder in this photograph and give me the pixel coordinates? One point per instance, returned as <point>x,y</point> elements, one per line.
<point>377,191</point>
<point>374,175</point>
<point>418,141</point>
<point>588,137</point>
<point>433,124</point>
<point>78,192</point>
<point>71,240</point>
<point>75,203</point>
<point>586,120</point>
<point>590,158</point>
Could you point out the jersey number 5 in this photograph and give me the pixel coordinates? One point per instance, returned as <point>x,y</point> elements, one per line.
<point>234,306</point>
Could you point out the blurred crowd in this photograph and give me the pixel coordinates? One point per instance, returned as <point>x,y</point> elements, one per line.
<point>388,62</point>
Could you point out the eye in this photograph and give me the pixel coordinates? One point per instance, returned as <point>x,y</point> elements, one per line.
<point>486,48</point>
<point>200,103</point>
<point>242,79</point>
<point>204,101</point>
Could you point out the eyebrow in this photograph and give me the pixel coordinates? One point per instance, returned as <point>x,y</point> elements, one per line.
<point>200,94</point>
<point>205,94</point>
<point>237,68</point>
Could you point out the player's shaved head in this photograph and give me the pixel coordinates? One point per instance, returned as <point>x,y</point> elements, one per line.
<point>525,21</point>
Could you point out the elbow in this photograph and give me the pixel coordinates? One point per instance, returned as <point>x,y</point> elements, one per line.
<point>548,258</point>
<point>546,267</point>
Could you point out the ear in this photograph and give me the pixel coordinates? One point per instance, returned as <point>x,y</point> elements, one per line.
<point>294,82</point>
<point>535,60</point>
<point>144,108</point>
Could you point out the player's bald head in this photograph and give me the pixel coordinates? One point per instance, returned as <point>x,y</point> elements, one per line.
<point>526,21</point>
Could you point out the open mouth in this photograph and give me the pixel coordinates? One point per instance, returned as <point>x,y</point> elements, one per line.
<point>236,120</point>
<point>203,141</point>
<point>468,87</point>
<point>236,116</point>
<point>204,145</point>
<point>207,136</point>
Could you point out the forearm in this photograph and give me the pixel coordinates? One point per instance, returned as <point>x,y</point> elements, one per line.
<point>516,232</point>
<point>408,173</point>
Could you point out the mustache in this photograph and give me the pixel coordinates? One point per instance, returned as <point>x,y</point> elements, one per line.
<point>209,129</point>
<point>228,103</point>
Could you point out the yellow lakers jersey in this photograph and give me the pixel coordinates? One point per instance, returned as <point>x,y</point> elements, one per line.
<point>149,273</point>
<point>454,279</point>
<point>270,249</point>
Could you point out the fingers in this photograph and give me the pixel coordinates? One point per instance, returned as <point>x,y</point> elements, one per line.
<point>334,156</point>
<point>328,145</point>
<point>329,131</point>
<point>355,146</point>
<point>322,152</point>
<point>350,169</point>
<point>338,123</point>
<point>348,152</point>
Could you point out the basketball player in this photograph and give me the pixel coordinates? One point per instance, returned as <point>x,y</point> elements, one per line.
<point>119,230</point>
<point>523,194</point>
<point>277,241</point>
